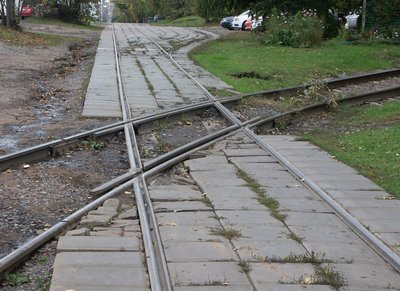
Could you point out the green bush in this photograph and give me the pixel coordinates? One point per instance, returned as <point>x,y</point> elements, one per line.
<point>304,29</point>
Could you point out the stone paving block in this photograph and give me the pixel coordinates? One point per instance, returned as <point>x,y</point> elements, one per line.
<point>388,205</point>
<point>96,220</point>
<point>262,273</point>
<point>369,275</point>
<point>128,259</point>
<point>129,214</point>
<point>201,273</point>
<point>232,191</point>
<point>110,232</point>
<point>251,249</point>
<point>298,192</point>
<point>101,288</point>
<point>78,232</point>
<point>174,192</point>
<point>391,238</point>
<point>88,243</point>
<point>349,185</point>
<point>202,218</point>
<point>112,202</point>
<point>243,217</point>
<point>103,210</point>
<point>392,213</point>
<point>180,206</point>
<point>187,233</point>
<point>207,163</point>
<point>124,223</point>
<point>177,251</point>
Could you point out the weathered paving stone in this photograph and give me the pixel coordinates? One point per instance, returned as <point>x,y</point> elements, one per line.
<point>96,220</point>
<point>128,214</point>
<point>243,217</point>
<point>262,273</point>
<point>250,249</point>
<point>124,223</point>
<point>109,232</point>
<point>89,243</point>
<point>174,192</point>
<point>112,202</point>
<point>78,232</point>
<point>103,210</point>
<point>369,275</point>
<point>180,206</point>
<point>202,218</point>
<point>98,271</point>
<point>198,251</point>
<point>183,233</point>
<point>202,273</point>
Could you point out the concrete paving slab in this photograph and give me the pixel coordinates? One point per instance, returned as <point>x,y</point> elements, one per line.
<point>245,152</point>
<point>347,185</point>
<point>232,191</point>
<point>358,194</point>
<point>202,218</point>
<point>262,232</point>
<point>243,217</point>
<point>128,259</point>
<point>88,243</point>
<point>296,192</point>
<point>78,277</point>
<point>392,213</point>
<point>380,225</point>
<point>254,250</point>
<point>187,233</point>
<point>180,206</point>
<point>236,203</point>
<point>320,232</point>
<point>307,219</point>
<point>352,203</point>
<point>292,287</point>
<point>224,178</point>
<point>174,192</point>
<point>198,251</point>
<point>203,273</point>
<point>263,273</point>
<point>96,220</point>
<point>102,288</point>
<point>112,232</point>
<point>391,238</point>
<point>343,252</point>
<point>369,275</point>
<point>301,205</point>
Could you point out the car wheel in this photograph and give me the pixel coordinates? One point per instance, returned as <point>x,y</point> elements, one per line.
<point>244,26</point>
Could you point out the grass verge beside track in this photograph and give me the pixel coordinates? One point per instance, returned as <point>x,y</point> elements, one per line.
<point>55,21</point>
<point>243,62</point>
<point>368,139</point>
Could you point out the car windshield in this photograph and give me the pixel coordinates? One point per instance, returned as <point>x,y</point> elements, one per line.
<point>245,13</point>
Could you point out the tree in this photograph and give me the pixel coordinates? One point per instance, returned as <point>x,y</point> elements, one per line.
<point>10,11</point>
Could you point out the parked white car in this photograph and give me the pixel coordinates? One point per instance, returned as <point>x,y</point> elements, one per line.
<point>240,20</point>
<point>351,21</point>
<point>256,22</point>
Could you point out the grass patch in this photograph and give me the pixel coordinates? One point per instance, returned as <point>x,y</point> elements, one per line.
<point>368,139</point>
<point>295,237</point>
<point>187,21</point>
<point>20,38</point>
<point>16,279</point>
<point>228,233</point>
<point>241,54</point>
<point>314,258</point>
<point>55,21</point>
<point>245,266</point>
<point>271,203</point>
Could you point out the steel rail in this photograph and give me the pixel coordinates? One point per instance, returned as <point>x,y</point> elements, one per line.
<point>158,273</point>
<point>376,244</point>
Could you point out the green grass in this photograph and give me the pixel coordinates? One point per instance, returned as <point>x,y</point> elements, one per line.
<point>19,38</point>
<point>278,67</point>
<point>55,21</point>
<point>187,21</point>
<point>367,139</point>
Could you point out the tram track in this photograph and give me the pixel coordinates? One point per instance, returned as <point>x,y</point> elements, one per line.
<point>140,171</point>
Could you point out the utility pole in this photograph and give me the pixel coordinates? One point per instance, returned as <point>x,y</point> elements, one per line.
<point>364,15</point>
